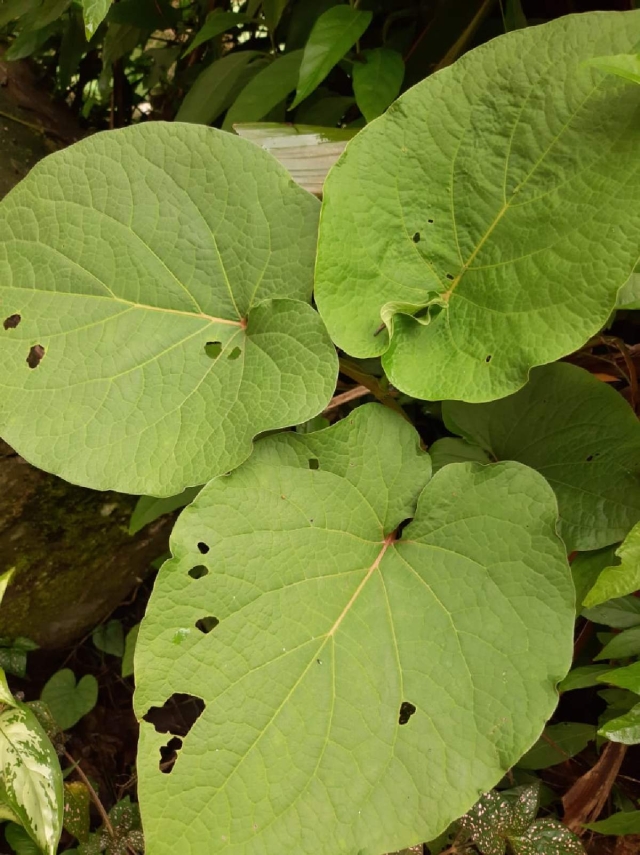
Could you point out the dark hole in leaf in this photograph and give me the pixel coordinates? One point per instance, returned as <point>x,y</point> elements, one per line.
<point>206,624</point>
<point>177,715</point>
<point>12,322</point>
<point>590,458</point>
<point>430,222</point>
<point>488,358</point>
<point>314,463</point>
<point>450,276</point>
<point>203,547</point>
<point>169,754</point>
<point>35,356</point>
<point>402,527</point>
<point>407,709</point>
<point>213,349</point>
<point>199,571</point>
<point>235,353</point>
<point>416,237</point>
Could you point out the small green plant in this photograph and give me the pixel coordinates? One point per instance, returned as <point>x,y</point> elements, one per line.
<point>372,635</point>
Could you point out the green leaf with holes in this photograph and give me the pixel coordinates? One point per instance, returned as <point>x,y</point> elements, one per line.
<point>576,431</point>
<point>357,696</point>
<point>155,284</point>
<point>622,578</point>
<point>30,777</point>
<point>466,249</point>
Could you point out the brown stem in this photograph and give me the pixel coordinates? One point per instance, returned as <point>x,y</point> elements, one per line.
<point>345,397</point>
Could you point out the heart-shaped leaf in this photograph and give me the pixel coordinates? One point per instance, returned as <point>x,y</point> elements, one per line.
<point>69,701</point>
<point>580,434</point>
<point>473,219</point>
<point>30,777</point>
<point>362,680</point>
<point>152,283</point>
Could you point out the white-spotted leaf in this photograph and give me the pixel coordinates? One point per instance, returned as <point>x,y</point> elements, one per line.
<point>487,221</point>
<point>154,285</point>
<point>362,680</point>
<point>30,777</point>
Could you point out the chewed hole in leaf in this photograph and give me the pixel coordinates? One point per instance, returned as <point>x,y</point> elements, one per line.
<point>235,353</point>
<point>169,754</point>
<point>450,276</point>
<point>12,322</point>
<point>314,463</point>
<point>488,358</point>
<point>177,715</point>
<point>213,349</point>
<point>203,547</point>
<point>430,222</point>
<point>206,624</point>
<point>199,571</point>
<point>416,237</point>
<point>407,709</point>
<point>35,356</point>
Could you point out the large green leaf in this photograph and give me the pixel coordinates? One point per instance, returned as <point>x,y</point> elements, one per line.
<point>463,234</point>
<point>30,777</point>
<point>622,578</point>
<point>333,34</point>
<point>580,434</point>
<point>362,685</point>
<point>626,678</point>
<point>152,284</point>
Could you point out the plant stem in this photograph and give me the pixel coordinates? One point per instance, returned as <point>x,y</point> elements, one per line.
<point>94,796</point>
<point>345,397</point>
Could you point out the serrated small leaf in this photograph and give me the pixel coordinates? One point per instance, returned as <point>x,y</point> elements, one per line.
<point>624,578</point>
<point>129,651</point>
<point>69,701</point>
<point>625,822</point>
<point>337,649</point>
<point>30,777</point>
<point>149,508</point>
<point>547,837</point>
<point>558,743</point>
<point>626,678</point>
<point>440,222</point>
<point>625,729</point>
<point>95,11</point>
<point>266,90</point>
<point>177,239</point>
<point>217,22</point>
<point>77,805</point>
<point>582,677</point>
<point>626,66</point>
<point>333,34</point>
<point>109,638</point>
<point>576,431</point>
<point>377,79</point>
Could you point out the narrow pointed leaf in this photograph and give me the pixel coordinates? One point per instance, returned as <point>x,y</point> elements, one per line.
<point>624,729</point>
<point>217,22</point>
<point>626,66</point>
<point>582,677</point>
<point>621,613</point>
<point>30,777</point>
<point>357,696</point>
<point>157,291</point>
<point>333,34</point>
<point>624,644</point>
<point>580,434</point>
<point>94,11</point>
<point>558,743</point>
<point>215,88</point>
<point>625,822</point>
<point>377,78</point>
<point>148,508</point>
<point>480,244</point>
<point>266,90</point>
<point>625,678</point>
